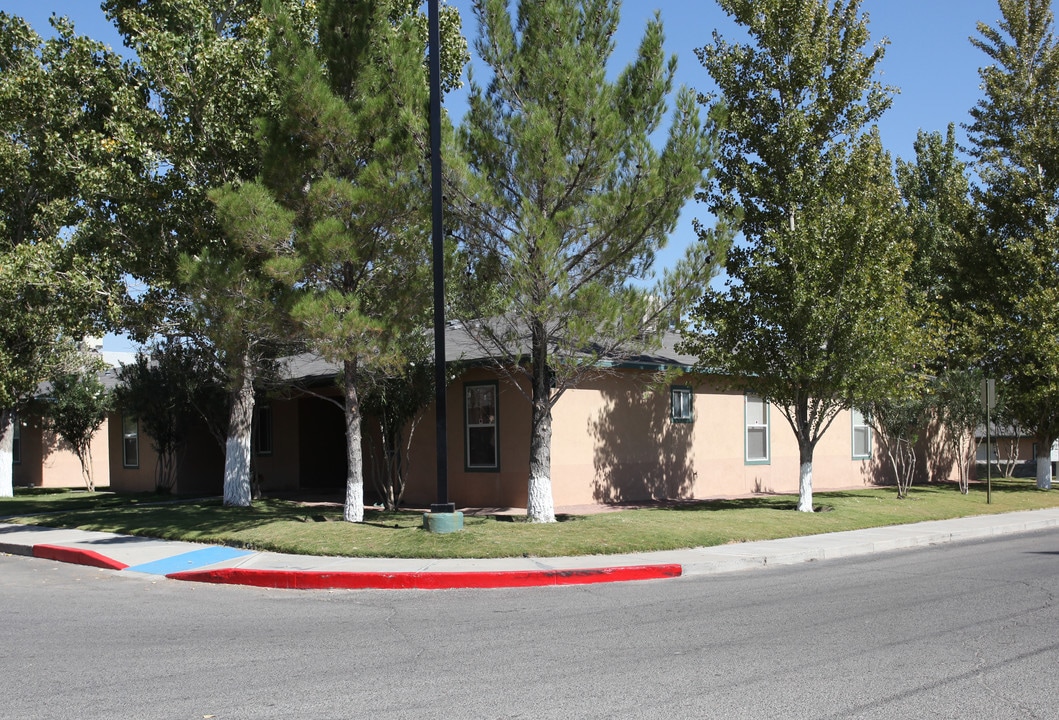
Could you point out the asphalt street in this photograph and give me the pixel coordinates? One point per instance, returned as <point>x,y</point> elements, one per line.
<point>966,630</point>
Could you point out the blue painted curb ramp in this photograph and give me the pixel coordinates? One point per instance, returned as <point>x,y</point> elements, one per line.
<point>190,560</point>
<point>443,522</point>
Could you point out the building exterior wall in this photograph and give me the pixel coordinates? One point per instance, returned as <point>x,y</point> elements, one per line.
<point>29,471</point>
<point>503,487</point>
<point>277,468</point>
<point>130,477</point>
<point>48,461</point>
<point>618,432</point>
<point>614,440</point>
<point>199,465</point>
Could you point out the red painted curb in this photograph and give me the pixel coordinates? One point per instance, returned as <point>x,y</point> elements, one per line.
<point>298,580</point>
<point>77,556</point>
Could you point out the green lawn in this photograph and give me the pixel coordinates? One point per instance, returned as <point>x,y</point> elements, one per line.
<point>286,526</point>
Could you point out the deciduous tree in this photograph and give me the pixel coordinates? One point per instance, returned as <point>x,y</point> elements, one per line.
<point>201,263</point>
<point>814,314</point>
<point>1015,145</point>
<point>167,387</point>
<point>66,152</point>
<point>77,405</point>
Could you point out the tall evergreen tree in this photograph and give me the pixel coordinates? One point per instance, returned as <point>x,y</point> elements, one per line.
<point>1015,144</point>
<point>568,200</point>
<point>814,316</point>
<point>344,164</point>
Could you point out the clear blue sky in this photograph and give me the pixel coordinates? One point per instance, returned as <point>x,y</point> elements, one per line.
<point>929,58</point>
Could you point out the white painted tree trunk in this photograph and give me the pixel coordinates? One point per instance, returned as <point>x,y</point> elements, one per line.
<point>1044,469</point>
<point>7,457</point>
<point>540,506</point>
<point>354,508</point>
<point>237,448</point>
<point>805,487</point>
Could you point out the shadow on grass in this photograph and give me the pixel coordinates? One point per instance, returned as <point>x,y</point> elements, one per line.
<point>790,502</point>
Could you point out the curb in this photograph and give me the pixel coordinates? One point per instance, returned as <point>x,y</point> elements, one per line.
<point>77,556</point>
<point>365,580</point>
<point>313,580</point>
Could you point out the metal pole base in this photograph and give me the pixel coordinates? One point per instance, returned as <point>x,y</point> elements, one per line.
<point>443,522</point>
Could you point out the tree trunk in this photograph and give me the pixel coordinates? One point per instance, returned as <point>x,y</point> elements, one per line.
<point>1044,463</point>
<point>7,449</point>
<point>237,447</point>
<point>805,476</point>
<point>85,458</point>
<point>354,509</point>
<point>540,506</point>
<point>803,432</point>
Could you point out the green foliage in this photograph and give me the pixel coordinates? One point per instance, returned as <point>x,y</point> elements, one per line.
<point>67,149</point>
<point>959,402</point>
<point>345,155</point>
<point>340,211</point>
<point>898,422</point>
<point>567,199</point>
<point>77,406</point>
<point>936,192</point>
<point>204,65</point>
<point>165,390</point>
<point>1016,150</point>
<point>396,403</point>
<point>816,313</point>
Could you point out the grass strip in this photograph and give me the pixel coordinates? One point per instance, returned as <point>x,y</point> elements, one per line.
<point>291,527</point>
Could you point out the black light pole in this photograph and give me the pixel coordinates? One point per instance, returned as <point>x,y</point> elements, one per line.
<point>443,505</point>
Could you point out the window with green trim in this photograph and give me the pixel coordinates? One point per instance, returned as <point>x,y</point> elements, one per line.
<point>680,404</point>
<point>861,435</point>
<point>756,437</point>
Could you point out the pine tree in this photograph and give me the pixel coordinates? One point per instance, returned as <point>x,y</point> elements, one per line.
<point>567,200</point>
<point>343,160</point>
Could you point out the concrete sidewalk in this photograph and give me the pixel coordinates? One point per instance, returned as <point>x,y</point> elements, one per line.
<point>218,564</point>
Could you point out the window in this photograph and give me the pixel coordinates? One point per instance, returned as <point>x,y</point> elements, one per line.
<point>757,430</point>
<point>480,426</point>
<point>680,404</point>
<point>861,435</point>
<point>263,434</point>
<point>130,448</point>
<point>16,441</point>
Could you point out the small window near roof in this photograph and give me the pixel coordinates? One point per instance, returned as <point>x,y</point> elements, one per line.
<point>680,407</point>
<point>861,435</point>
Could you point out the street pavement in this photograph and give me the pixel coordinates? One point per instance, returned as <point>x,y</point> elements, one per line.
<point>220,564</point>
